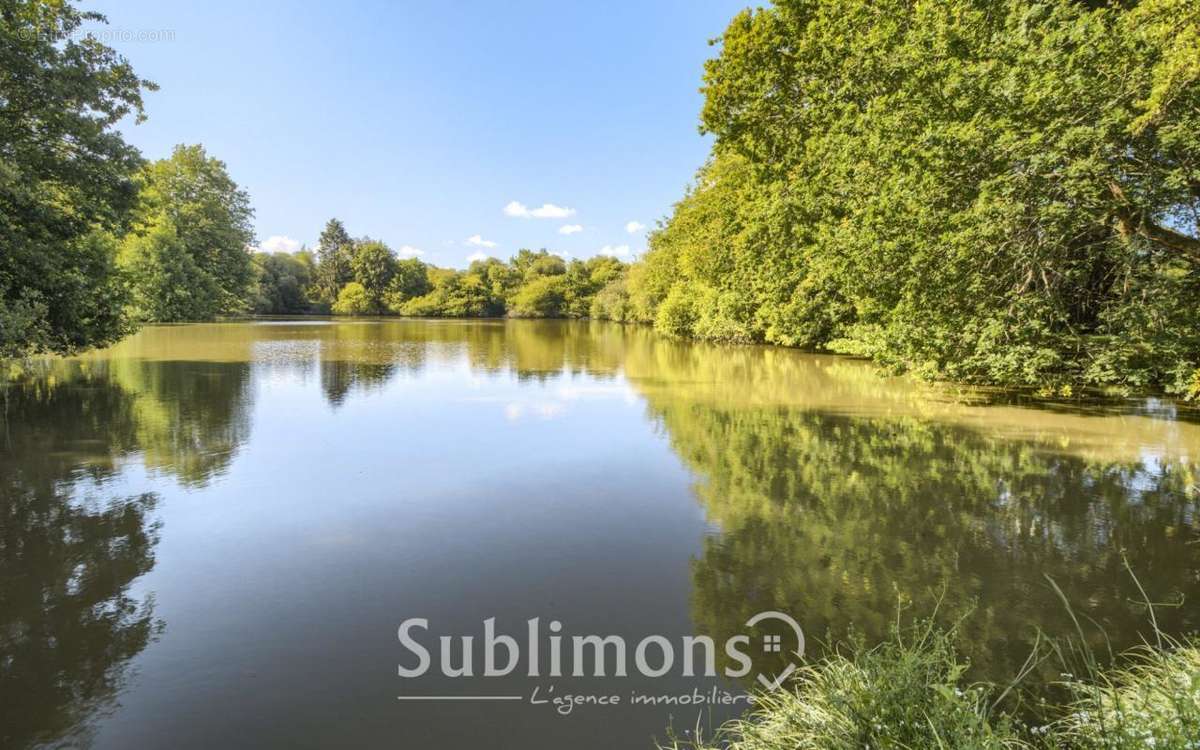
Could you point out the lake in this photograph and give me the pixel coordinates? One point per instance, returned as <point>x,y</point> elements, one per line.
<point>210,535</point>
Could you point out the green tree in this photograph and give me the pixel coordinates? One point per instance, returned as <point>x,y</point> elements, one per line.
<point>374,266</point>
<point>612,302</point>
<point>455,294</point>
<point>282,281</point>
<point>410,280</point>
<point>1003,191</point>
<point>334,251</point>
<point>65,179</point>
<point>193,218</point>
<point>543,297</point>
<point>353,300</point>
<point>584,279</point>
<point>502,279</point>
<point>167,282</point>
<point>530,264</point>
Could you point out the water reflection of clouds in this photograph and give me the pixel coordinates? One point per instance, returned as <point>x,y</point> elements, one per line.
<point>551,403</point>
<point>573,392</point>
<point>514,411</point>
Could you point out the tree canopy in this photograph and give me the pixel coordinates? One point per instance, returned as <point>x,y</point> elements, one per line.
<point>334,249</point>
<point>532,284</point>
<point>1002,191</point>
<point>66,179</point>
<point>188,255</point>
<point>374,267</point>
<point>282,283</point>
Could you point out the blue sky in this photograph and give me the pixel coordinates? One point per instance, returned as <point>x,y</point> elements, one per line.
<point>419,123</point>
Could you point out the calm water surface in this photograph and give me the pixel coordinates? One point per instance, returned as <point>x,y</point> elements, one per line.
<point>209,534</point>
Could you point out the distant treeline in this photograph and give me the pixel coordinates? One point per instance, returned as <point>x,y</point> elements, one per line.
<point>364,277</point>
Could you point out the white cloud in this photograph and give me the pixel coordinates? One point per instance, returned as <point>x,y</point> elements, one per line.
<point>408,251</point>
<point>519,210</point>
<point>478,241</point>
<point>619,251</point>
<point>570,228</point>
<point>477,256</point>
<point>278,243</point>
<point>634,227</point>
<point>551,211</point>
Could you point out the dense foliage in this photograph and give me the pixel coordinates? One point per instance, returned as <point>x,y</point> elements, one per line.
<point>94,239</point>
<point>282,282</point>
<point>186,255</point>
<point>364,277</point>
<point>999,191</point>
<point>66,179</point>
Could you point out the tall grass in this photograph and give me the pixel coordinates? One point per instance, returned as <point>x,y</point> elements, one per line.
<point>910,693</point>
<point>1151,702</point>
<point>905,693</point>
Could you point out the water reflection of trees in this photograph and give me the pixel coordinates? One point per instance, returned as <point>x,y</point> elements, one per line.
<point>187,419</point>
<point>190,418</point>
<point>840,495</point>
<point>838,519</point>
<point>364,357</point>
<point>69,552</point>
<point>177,399</point>
<point>836,493</point>
<point>70,546</point>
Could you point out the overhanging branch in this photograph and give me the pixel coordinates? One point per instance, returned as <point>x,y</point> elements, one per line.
<point>1131,222</point>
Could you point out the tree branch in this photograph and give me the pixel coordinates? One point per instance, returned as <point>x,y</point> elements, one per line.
<point>1131,222</point>
<point>1167,237</point>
